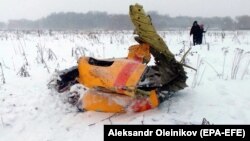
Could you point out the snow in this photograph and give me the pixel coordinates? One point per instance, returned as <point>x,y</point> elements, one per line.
<point>29,110</point>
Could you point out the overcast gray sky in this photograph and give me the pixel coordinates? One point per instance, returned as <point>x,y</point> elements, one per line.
<point>34,9</point>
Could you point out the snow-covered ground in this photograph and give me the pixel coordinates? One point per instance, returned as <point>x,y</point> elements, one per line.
<point>219,91</point>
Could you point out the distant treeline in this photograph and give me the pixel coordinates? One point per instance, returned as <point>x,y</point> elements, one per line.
<point>104,21</point>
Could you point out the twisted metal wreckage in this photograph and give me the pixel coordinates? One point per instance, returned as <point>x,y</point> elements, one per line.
<point>128,84</point>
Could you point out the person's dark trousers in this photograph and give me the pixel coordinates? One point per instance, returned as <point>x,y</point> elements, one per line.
<point>195,40</point>
<point>199,40</point>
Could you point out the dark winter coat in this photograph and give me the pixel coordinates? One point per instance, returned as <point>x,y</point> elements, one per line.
<point>195,30</point>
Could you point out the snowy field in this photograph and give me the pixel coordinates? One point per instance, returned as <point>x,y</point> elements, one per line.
<point>219,91</point>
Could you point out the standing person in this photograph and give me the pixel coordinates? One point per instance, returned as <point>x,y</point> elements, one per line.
<point>200,36</point>
<point>195,31</point>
